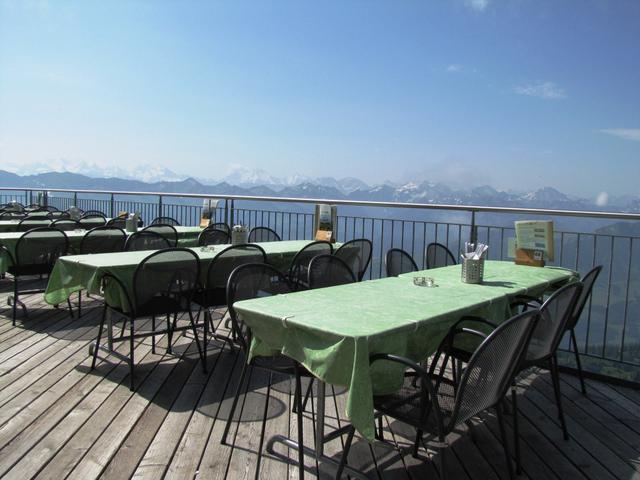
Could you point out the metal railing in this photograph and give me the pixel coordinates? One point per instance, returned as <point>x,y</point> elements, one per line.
<point>608,334</point>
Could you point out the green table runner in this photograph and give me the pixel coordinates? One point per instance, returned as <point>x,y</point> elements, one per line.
<point>333,331</point>
<point>187,237</point>
<point>83,272</point>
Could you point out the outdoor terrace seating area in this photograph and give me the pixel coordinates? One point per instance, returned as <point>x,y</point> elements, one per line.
<point>59,419</point>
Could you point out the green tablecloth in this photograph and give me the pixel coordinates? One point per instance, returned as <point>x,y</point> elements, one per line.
<point>8,225</point>
<point>187,237</point>
<point>83,272</point>
<point>333,331</point>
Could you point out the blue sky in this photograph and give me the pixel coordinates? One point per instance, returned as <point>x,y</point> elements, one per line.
<point>527,93</point>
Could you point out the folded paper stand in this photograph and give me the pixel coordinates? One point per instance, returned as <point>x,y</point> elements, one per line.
<point>532,258</point>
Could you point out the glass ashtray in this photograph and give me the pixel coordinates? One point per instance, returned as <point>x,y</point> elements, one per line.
<point>424,282</point>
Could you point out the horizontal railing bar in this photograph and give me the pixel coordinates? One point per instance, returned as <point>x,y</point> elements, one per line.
<point>462,208</point>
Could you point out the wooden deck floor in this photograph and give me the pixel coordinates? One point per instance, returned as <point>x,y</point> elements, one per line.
<point>60,420</point>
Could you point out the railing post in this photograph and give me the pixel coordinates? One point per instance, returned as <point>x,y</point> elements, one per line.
<point>159,205</point>
<point>75,199</point>
<point>45,198</point>
<point>112,206</point>
<point>231,212</point>
<point>226,211</point>
<point>26,197</point>
<point>474,230</point>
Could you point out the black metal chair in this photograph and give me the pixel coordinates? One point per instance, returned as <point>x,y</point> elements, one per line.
<point>221,226</point>
<point>438,255</point>
<point>258,280</point>
<point>219,270</point>
<point>117,222</point>
<point>145,240</point>
<point>51,208</point>
<point>164,284</point>
<point>169,232</point>
<point>65,224</point>
<point>165,221</point>
<point>103,240</point>
<point>92,220</point>
<point>398,261</point>
<point>357,254</point>
<point>435,407</point>
<point>93,212</point>
<point>36,253</point>
<point>263,234</point>
<point>555,314</point>
<point>28,223</point>
<point>300,264</point>
<point>328,271</point>
<point>213,236</point>
<point>587,288</point>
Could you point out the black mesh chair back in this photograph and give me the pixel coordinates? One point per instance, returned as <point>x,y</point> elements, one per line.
<point>328,271</point>
<point>145,240</point>
<point>51,208</point>
<point>169,232</point>
<point>587,287</point>
<point>93,212</point>
<point>213,236</point>
<point>248,281</point>
<point>492,367</point>
<point>93,220</point>
<point>555,313</point>
<point>103,240</point>
<point>28,223</point>
<point>438,255</point>
<point>357,254</point>
<point>165,221</point>
<point>37,251</point>
<point>223,264</point>
<point>165,282</point>
<point>263,234</point>
<point>65,224</point>
<point>300,264</point>
<point>117,222</point>
<point>398,261</point>
<point>221,226</point>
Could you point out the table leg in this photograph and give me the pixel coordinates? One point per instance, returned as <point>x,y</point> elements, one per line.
<point>321,439</point>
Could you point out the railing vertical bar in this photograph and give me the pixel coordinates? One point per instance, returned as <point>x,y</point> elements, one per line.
<point>606,315</point>
<point>626,300</point>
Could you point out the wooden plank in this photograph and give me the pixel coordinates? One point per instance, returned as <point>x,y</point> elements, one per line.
<point>126,459</point>
<point>103,379</point>
<point>197,435</point>
<point>97,441</point>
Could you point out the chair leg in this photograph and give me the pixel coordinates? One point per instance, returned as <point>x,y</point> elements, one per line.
<point>503,435</point>
<point>79,303</point>
<point>298,399</point>
<point>516,434</point>
<point>70,307</point>
<point>15,299</point>
<point>441,461</point>
<point>306,397</point>
<point>234,404</point>
<point>416,443</point>
<point>131,380</point>
<point>153,336</point>
<point>345,453</point>
<point>201,351</point>
<point>169,335</point>
<point>97,346</point>
<point>556,388</point>
<point>380,429</point>
<point>578,364</point>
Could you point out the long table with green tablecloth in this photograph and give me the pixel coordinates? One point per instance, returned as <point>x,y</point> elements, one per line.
<point>333,331</point>
<point>84,272</point>
<point>187,237</point>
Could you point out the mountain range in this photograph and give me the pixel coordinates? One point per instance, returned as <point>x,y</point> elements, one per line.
<point>259,183</point>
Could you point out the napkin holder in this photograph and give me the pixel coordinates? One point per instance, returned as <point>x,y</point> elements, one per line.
<point>239,235</point>
<point>531,258</point>
<point>472,270</point>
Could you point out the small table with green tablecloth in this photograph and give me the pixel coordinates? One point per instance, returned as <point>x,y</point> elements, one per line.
<point>333,331</point>
<point>187,237</point>
<point>84,272</point>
